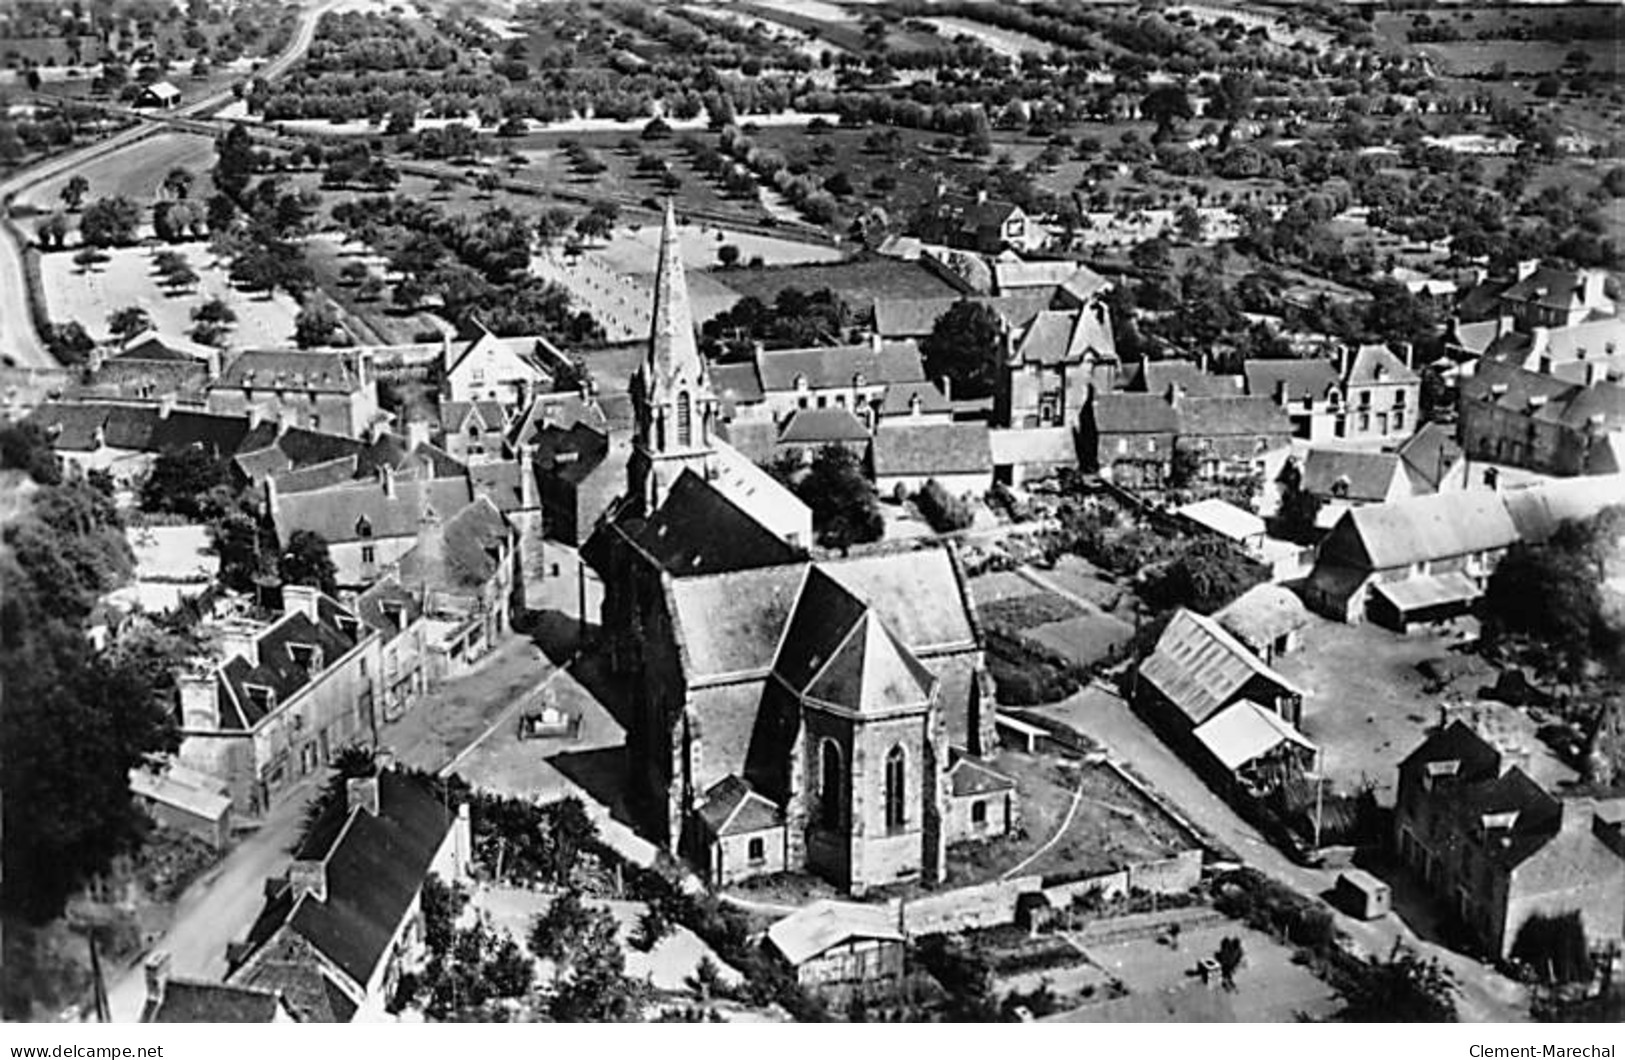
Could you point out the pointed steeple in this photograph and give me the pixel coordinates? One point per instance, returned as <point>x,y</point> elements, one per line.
<point>674,358</point>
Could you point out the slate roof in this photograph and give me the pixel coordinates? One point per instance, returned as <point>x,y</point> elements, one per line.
<point>1031,446</point>
<point>455,415</point>
<point>967,777</point>
<point>1065,336</point>
<point>1008,274</point>
<point>276,668</point>
<point>1537,511</point>
<point>737,384</point>
<point>871,672</point>
<point>339,513</point>
<point>383,601</point>
<point>469,553</point>
<point>821,426</point>
<point>570,454</point>
<point>1312,378</point>
<point>1201,417</point>
<point>191,1001</point>
<point>1439,525</point>
<point>1419,592</point>
<point>898,397</point>
<point>479,337</point>
<point>375,867</point>
<point>500,482</point>
<point>561,411</point>
<point>1365,475</point>
<point>903,448</point>
<point>813,929</point>
<point>835,367</point>
<point>70,427</point>
<point>731,622</point>
<point>1376,363</point>
<point>733,807</point>
<point>1199,667</point>
<point>1245,731</point>
<point>1428,455</point>
<point>331,372</point>
<point>697,531</point>
<point>1549,287</point>
<point>825,614</point>
<point>1123,413</point>
<point>1155,377</point>
<point>972,213</point>
<point>919,595</point>
<point>1224,518</point>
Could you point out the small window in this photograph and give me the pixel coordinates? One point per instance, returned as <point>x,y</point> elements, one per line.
<point>756,850</point>
<point>978,812</point>
<point>369,554</point>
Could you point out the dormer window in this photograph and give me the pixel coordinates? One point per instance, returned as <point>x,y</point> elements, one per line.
<point>308,657</point>
<point>261,698</point>
<point>859,381</point>
<point>1340,488</point>
<point>363,527</point>
<point>348,626</point>
<point>801,382</point>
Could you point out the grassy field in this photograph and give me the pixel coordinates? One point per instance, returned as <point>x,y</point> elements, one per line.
<point>372,322</point>
<point>1528,58</point>
<point>859,282</point>
<point>128,280</point>
<point>135,172</point>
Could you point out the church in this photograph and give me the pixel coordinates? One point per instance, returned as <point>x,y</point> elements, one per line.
<point>790,713</point>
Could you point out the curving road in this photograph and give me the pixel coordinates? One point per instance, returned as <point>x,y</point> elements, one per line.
<point>19,341</point>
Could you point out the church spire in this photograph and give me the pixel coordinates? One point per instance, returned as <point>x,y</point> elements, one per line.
<point>673,359</point>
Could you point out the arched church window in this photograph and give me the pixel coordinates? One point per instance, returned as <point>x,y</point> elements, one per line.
<point>685,420</point>
<point>831,774</point>
<point>896,786</point>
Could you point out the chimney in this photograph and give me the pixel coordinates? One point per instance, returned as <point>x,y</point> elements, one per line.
<point>300,599</point>
<point>417,434</point>
<point>1281,395</point>
<point>1592,286</point>
<point>948,389</point>
<point>1540,340</point>
<point>1505,324</point>
<point>362,792</point>
<point>1577,816</point>
<point>1596,372</point>
<point>1545,363</point>
<point>1202,361</point>
<point>981,197</point>
<point>308,876</point>
<point>157,969</point>
<point>383,759</point>
<point>1175,394</point>
<point>1526,268</point>
<point>1343,363</point>
<point>240,640</point>
<point>1407,353</point>
<point>200,701</point>
<point>529,491</point>
<point>166,405</point>
<point>386,477</point>
<point>256,416</point>
<point>876,345</point>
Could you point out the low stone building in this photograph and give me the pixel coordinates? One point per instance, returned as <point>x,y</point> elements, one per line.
<point>841,951</point>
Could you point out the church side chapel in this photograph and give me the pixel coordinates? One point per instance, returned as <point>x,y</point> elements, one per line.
<point>790,713</point>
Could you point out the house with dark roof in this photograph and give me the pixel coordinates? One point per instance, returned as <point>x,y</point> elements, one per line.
<point>580,470</point>
<point>904,455</point>
<point>1433,460</point>
<point>280,699</point>
<point>340,928</point>
<point>323,390</point>
<point>855,378</point>
<point>1131,437</point>
<point>465,570</point>
<point>1552,297</point>
<point>1309,389</point>
<point>152,367</point>
<point>1190,377</point>
<point>481,366</point>
<point>1345,478</point>
<point>124,439</point>
<point>833,691</point>
<point>176,1000</point>
<point>1049,365</point>
<point>1498,849</point>
<point>808,430</point>
<point>1510,415</point>
<point>979,223</point>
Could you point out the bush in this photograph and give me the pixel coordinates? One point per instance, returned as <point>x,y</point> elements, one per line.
<point>945,512</point>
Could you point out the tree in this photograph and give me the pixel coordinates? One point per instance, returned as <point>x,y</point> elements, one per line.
<point>1166,105</point>
<point>74,191</point>
<point>1229,956</point>
<point>87,258</point>
<point>1548,593</point>
<point>442,904</point>
<point>246,548</point>
<point>307,561</point>
<point>1555,947</point>
<point>652,927</point>
<point>941,509</point>
<point>1204,577</point>
<point>557,934</point>
<point>597,989</point>
<point>179,479</point>
<point>69,343</point>
<point>110,222</point>
<point>966,346</point>
<point>1401,989</point>
<point>211,321</point>
<point>25,447</point>
<point>178,182</point>
<point>314,326</point>
<point>128,322</point>
<point>845,509</point>
<point>53,231</point>
<point>728,255</point>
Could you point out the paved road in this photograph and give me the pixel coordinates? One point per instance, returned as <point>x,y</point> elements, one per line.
<point>1486,996</point>
<point>18,338</point>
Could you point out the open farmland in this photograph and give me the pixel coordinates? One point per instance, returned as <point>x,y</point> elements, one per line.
<point>1003,41</point>
<point>135,172</point>
<point>859,282</point>
<point>128,279</point>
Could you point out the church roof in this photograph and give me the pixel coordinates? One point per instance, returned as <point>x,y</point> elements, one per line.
<point>699,530</point>
<point>825,615</point>
<point>674,355</point>
<point>871,672</point>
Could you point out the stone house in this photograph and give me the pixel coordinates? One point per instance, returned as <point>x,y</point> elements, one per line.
<point>283,697</point>
<point>1049,365</point>
<point>1497,848</point>
<point>333,391</point>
